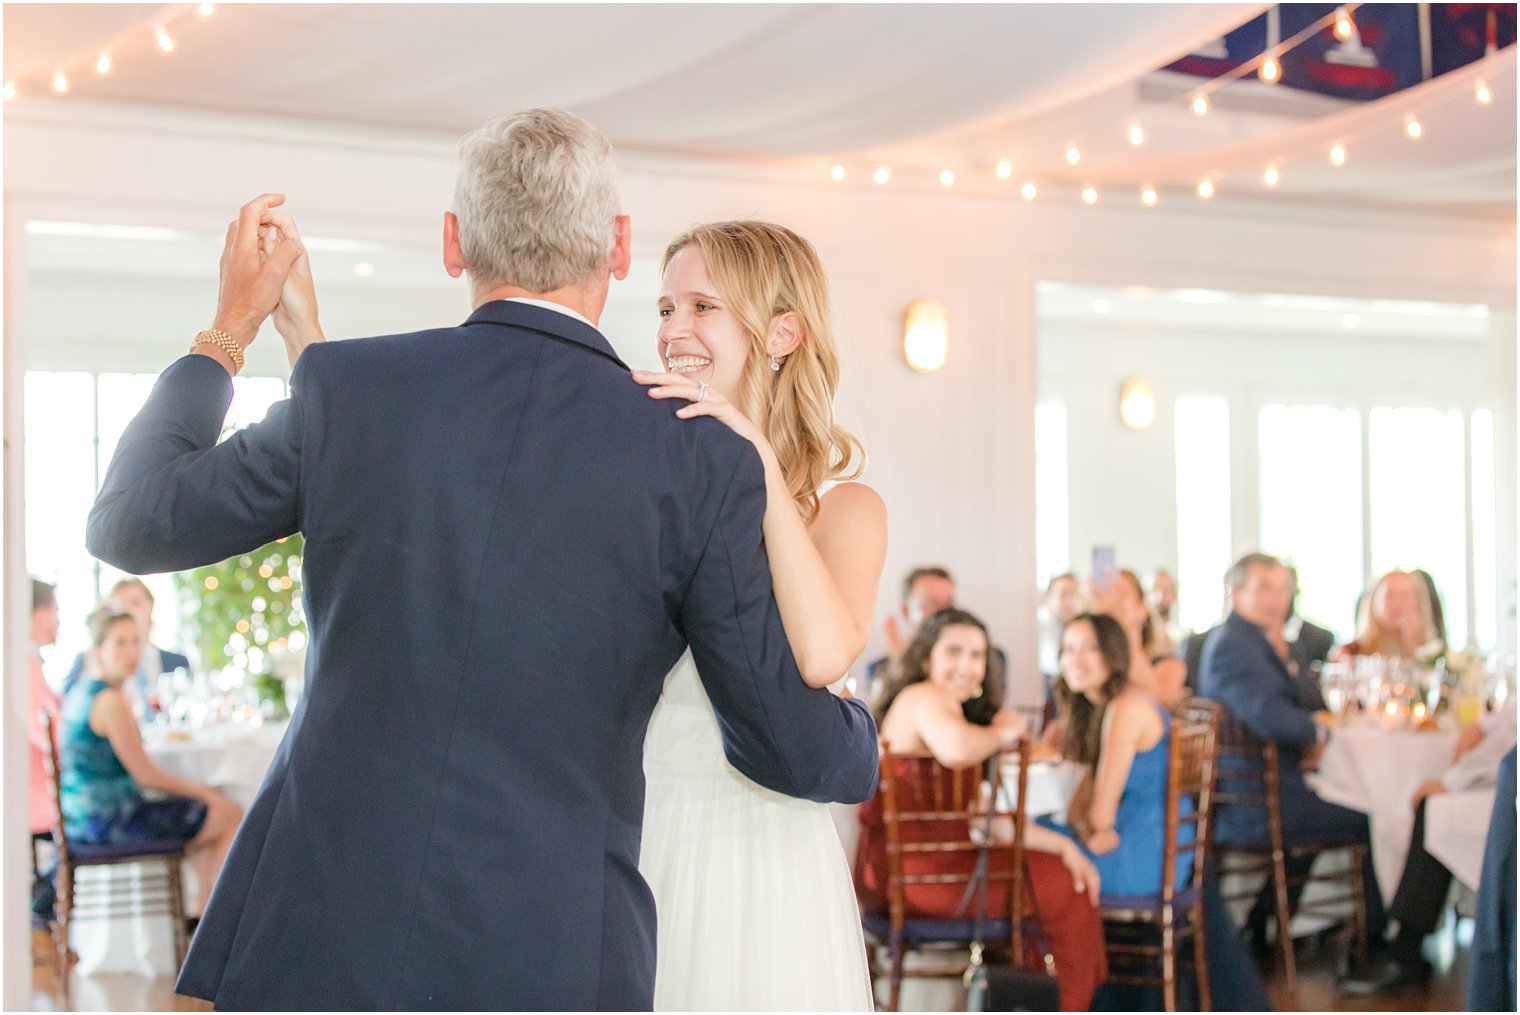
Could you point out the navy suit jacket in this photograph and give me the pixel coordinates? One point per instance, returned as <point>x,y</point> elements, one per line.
<point>1242,671</point>
<point>508,545</point>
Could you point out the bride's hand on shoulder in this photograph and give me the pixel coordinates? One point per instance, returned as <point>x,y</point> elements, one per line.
<point>702,403</point>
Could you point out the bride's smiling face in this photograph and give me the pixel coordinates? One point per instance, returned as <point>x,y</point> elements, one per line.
<point>700,338</point>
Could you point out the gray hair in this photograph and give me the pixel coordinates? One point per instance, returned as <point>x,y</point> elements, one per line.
<point>1235,577</point>
<point>536,199</point>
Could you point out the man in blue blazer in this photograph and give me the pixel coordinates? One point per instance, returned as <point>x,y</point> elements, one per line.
<point>1243,671</point>
<point>508,545</point>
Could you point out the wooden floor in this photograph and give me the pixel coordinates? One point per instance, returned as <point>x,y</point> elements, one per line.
<point>1317,990</point>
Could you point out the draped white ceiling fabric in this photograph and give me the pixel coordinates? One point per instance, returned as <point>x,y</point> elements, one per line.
<point>922,86</point>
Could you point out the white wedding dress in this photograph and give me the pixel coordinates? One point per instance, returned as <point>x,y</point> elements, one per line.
<point>755,903</point>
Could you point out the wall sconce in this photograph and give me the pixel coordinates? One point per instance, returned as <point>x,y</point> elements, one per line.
<point>926,335</point>
<point>1137,403</point>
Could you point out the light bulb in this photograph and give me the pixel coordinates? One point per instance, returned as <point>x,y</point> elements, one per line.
<point>1089,195</point>
<point>10,90</point>
<point>163,40</point>
<point>1413,129</point>
<point>837,172</point>
<point>206,10</point>
<point>1027,192</point>
<point>1136,135</point>
<point>1148,197</point>
<point>1073,155</point>
<point>947,178</point>
<point>1205,189</point>
<point>103,65</point>
<point>882,175</point>
<point>1271,70</point>
<point>60,82</point>
<point>1271,177</point>
<point>1338,155</point>
<point>364,269</point>
<point>1004,170</point>
<point>1483,93</point>
<point>1200,105</point>
<point>1344,26</point>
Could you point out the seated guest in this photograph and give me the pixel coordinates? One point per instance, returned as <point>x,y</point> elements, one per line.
<point>1433,597</point>
<point>106,769</point>
<point>1122,733</point>
<point>1303,644</point>
<point>1151,668</point>
<point>940,702</point>
<point>1421,896</point>
<point>131,595</point>
<point>1396,619</point>
<point>1242,670</point>
<point>41,697</point>
<point>926,591</point>
<point>1061,602</point>
<point>1162,600</point>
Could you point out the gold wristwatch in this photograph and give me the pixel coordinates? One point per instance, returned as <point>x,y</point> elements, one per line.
<point>224,342</point>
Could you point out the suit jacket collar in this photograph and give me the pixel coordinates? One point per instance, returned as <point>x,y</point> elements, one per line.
<point>1248,630</point>
<point>545,321</point>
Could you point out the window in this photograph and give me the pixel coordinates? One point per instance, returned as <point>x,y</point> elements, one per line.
<point>1203,508</point>
<point>1485,607</point>
<point>73,423</point>
<point>1311,505</point>
<point>1052,520</point>
<point>1417,490</point>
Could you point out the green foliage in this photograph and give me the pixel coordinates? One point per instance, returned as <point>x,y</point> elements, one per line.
<point>245,607</point>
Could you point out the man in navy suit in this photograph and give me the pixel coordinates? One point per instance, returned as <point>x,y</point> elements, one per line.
<point>1242,670</point>
<point>508,545</point>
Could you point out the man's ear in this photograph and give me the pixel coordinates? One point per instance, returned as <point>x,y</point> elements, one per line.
<point>622,248</point>
<point>785,336</point>
<point>453,254</point>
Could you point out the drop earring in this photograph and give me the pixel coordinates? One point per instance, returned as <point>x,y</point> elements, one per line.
<point>775,365</point>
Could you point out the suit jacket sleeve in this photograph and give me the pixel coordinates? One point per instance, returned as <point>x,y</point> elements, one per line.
<point>1262,700</point>
<point>779,732</point>
<point>173,498</point>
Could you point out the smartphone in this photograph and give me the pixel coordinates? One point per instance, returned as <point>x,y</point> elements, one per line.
<point>1104,566</point>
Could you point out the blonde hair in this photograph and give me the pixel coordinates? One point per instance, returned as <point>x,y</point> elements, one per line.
<point>1372,636</point>
<point>764,270</point>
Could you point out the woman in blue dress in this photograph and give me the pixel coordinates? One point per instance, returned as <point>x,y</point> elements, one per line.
<point>105,769</point>
<point>1122,733</point>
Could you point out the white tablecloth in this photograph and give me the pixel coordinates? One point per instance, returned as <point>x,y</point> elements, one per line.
<point>1376,771</point>
<point>1456,831</point>
<point>231,759</point>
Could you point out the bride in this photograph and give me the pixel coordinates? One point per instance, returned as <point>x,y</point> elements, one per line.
<point>756,905</point>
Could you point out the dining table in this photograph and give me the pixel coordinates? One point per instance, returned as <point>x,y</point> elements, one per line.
<point>232,757</point>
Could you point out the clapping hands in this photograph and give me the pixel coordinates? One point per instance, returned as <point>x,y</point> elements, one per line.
<point>265,271</point>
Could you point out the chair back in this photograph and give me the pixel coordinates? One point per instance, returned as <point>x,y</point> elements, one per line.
<point>55,784</point>
<point>1190,775</point>
<point>929,810</point>
<point>1247,772</point>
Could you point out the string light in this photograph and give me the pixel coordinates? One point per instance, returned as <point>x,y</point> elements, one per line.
<point>1200,105</point>
<point>1413,129</point>
<point>1089,195</point>
<point>1271,177</point>
<point>947,178</point>
<point>1344,26</point>
<point>1004,169</point>
<point>1338,155</point>
<point>1073,155</point>
<point>1148,196</point>
<point>206,10</point>
<point>837,173</point>
<point>163,40</point>
<point>10,90</point>
<point>1271,70</point>
<point>1136,135</point>
<point>1205,189</point>
<point>882,174</point>
<point>103,65</point>
<point>60,82</point>
<point>1483,93</point>
<point>1027,192</point>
